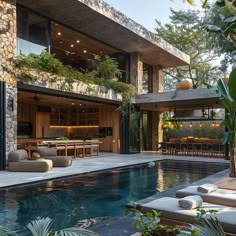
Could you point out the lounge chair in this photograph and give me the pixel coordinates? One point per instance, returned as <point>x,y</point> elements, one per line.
<point>19,161</point>
<point>220,196</point>
<point>51,154</point>
<point>172,212</point>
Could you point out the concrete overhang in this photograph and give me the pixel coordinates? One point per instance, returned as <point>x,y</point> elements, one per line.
<point>101,21</point>
<point>178,99</point>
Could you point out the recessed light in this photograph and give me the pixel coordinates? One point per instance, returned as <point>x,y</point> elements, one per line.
<point>85,51</point>
<point>72,45</point>
<point>58,33</point>
<point>80,104</point>
<point>72,103</point>
<point>77,41</point>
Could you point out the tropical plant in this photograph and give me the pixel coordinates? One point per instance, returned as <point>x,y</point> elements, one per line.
<point>228,95</point>
<point>150,225</point>
<point>42,227</point>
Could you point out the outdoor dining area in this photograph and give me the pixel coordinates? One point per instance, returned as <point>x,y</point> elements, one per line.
<point>191,146</point>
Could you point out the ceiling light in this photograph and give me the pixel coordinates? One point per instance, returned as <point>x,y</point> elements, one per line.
<point>61,41</point>
<point>190,125</point>
<point>72,45</point>
<point>77,41</point>
<point>85,51</point>
<point>72,103</point>
<point>200,125</point>
<point>59,33</point>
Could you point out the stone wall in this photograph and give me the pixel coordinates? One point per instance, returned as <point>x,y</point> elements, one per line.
<point>7,52</point>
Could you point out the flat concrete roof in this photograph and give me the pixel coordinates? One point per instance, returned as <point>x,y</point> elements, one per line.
<point>101,21</point>
<point>179,98</point>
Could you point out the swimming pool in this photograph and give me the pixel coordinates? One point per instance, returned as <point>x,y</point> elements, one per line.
<point>69,200</point>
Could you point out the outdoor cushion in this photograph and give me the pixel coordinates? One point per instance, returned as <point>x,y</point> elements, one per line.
<point>51,154</point>
<point>170,209</point>
<point>18,155</point>
<point>220,196</point>
<point>40,165</point>
<point>18,161</point>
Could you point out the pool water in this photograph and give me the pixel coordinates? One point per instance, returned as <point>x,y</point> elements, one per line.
<point>69,200</point>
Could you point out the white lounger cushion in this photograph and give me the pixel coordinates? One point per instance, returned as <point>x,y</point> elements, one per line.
<point>170,209</point>
<point>220,196</point>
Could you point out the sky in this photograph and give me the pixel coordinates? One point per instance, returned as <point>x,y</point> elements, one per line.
<point>146,11</point>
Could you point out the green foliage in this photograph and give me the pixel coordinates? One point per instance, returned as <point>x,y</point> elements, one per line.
<point>150,225</point>
<point>228,95</point>
<point>108,68</point>
<point>186,32</point>
<point>220,22</point>
<point>65,75</point>
<point>202,212</point>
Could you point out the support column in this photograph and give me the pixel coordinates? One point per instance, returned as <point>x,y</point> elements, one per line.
<point>136,72</point>
<point>7,52</point>
<point>157,87</point>
<point>157,79</point>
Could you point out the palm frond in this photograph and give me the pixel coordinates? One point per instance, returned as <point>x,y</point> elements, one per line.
<point>210,226</point>
<point>7,232</point>
<point>40,227</point>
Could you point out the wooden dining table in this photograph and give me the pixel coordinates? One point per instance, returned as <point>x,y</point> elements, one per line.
<point>75,145</point>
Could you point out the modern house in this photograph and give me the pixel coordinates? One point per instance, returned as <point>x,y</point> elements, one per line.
<point>76,31</point>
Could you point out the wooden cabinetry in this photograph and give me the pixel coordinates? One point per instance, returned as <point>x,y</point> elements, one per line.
<point>88,116</point>
<point>58,116</point>
<point>42,124</point>
<point>82,116</point>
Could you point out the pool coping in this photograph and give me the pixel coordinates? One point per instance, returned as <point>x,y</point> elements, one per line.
<point>24,184</point>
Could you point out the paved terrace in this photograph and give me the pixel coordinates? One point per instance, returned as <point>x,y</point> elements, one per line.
<point>91,164</point>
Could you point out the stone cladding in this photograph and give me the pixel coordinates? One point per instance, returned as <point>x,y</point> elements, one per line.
<point>7,54</point>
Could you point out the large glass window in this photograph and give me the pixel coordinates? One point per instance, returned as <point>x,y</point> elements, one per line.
<point>32,32</point>
<point>134,131</point>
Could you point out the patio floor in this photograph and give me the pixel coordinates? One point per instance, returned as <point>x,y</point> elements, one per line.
<point>90,164</point>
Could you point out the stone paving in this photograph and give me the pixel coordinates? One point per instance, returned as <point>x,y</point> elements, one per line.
<point>90,164</point>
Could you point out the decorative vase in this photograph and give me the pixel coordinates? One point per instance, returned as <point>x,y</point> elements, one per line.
<point>184,84</point>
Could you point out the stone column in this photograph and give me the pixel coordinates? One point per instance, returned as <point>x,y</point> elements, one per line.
<point>157,87</point>
<point>157,80</point>
<point>7,53</point>
<point>136,72</point>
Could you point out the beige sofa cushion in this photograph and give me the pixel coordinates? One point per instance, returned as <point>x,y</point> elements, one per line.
<point>220,196</point>
<point>18,155</point>
<point>170,209</point>
<point>46,151</point>
<point>40,165</point>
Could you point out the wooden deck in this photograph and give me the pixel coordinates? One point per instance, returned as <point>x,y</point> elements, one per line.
<point>226,183</point>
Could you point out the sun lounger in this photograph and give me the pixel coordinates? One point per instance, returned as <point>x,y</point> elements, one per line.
<point>220,196</point>
<point>170,210</point>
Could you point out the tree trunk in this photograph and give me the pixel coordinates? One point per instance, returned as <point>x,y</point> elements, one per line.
<point>232,162</point>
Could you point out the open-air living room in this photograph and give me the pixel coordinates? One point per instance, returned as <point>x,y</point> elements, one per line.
<point>115,127</point>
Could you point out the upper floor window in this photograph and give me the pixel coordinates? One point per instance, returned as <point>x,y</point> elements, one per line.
<point>32,32</point>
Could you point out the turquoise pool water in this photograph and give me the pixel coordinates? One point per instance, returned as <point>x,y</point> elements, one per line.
<point>69,200</point>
